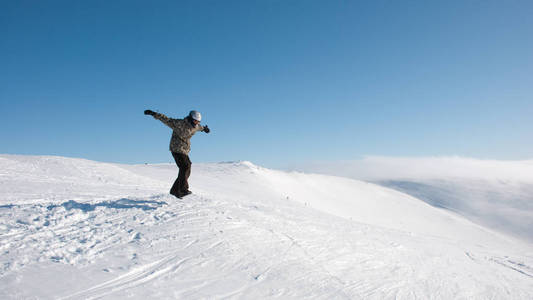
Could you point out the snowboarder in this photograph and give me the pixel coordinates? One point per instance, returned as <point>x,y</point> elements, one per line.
<point>180,146</point>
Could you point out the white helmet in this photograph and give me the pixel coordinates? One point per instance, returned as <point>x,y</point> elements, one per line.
<point>195,115</point>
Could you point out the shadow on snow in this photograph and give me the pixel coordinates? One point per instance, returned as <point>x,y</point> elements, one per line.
<point>123,203</point>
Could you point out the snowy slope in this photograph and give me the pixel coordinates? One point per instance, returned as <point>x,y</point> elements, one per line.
<point>496,194</point>
<point>76,229</point>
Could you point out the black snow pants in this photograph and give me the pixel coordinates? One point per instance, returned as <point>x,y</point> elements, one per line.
<point>181,184</point>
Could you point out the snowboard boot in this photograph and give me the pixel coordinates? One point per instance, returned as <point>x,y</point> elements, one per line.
<point>182,194</point>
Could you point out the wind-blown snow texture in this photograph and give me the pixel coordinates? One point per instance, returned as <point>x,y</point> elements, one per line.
<point>77,229</point>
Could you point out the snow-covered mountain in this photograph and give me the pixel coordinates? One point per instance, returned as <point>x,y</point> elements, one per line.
<point>77,229</point>
<point>496,194</point>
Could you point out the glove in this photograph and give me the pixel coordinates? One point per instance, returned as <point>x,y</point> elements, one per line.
<point>149,112</point>
<point>206,129</point>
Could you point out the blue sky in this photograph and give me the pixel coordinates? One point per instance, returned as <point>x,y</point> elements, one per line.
<point>278,82</point>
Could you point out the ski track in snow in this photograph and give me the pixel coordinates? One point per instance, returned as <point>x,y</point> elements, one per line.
<point>150,245</point>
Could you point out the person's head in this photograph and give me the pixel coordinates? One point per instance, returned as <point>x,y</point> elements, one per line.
<point>195,116</point>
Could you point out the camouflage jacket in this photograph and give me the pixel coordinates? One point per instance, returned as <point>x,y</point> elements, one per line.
<point>183,130</point>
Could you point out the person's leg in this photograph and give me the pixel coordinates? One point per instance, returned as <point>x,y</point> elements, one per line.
<point>181,185</point>
<point>187,164</point>
<point>175,190</point>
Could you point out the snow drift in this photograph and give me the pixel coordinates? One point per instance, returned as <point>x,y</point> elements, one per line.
<point>112,231</point>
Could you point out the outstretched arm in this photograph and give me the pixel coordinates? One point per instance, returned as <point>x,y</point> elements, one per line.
<point>161,117</point>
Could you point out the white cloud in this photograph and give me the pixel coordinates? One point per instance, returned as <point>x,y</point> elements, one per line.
<point>380,167</point>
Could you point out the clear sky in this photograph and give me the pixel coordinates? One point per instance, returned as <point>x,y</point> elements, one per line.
<point>278,82</point>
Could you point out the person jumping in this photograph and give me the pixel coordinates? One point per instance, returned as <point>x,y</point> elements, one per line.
<point>180,146</point>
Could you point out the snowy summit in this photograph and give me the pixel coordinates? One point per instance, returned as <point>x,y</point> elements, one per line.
<point>79,229</point>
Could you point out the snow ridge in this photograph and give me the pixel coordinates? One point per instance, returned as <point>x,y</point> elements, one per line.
<point>495,194</point>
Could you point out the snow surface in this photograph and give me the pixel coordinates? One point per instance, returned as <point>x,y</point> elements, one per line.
<point>78,229</point>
